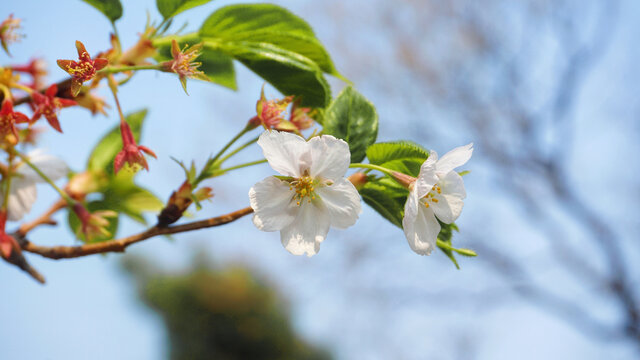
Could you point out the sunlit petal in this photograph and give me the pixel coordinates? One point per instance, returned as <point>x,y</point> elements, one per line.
<point>330,157</point>
<point>287,153</point>
<point>343,203</point>
<point>454,158</point>
<point>308,230</point>
<point>272,202</point>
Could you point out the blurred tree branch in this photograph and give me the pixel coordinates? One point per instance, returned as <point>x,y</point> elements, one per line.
<point>511,73</point>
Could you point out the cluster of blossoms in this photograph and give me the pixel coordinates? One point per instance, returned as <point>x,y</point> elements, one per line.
<point>20,178</point>
<point>312,194</point>
<point>270,115</point>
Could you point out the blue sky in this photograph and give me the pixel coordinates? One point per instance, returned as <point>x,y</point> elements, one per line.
<point>89,310</point>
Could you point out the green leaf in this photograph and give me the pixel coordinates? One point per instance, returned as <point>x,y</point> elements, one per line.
<point>103,154</point>
<point>127,198</point>
<point>353,118</point>
<point>267,23</point>
<point>403,156</point>
<point>232,20</point>
<point>305,45</point>
<point>217,65</point>
<point>290,73</point>
<point>171,8</point>
<point>275,44</point>
<point>112,9</point>
<point>75,224</point>
<point>382,198</point>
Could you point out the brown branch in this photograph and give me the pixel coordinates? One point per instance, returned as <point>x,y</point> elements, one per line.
<point>119,245</point>
<point>63,91</point>
<point>42,219</point>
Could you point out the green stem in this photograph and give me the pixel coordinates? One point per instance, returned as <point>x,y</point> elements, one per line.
<point>238,149</point>
<point>44,177</point>
<point>226,147</point>
<point>206,170</point>
<point>223,171</point>
<point>166,40</point>
<point>464,252</point>
<point>115,31</point>
<point>372,167</point>
<point>118,69</point>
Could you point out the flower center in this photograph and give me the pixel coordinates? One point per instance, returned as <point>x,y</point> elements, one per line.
<point>431,195</point>
<point>304,188</point>
<point>83,70</point>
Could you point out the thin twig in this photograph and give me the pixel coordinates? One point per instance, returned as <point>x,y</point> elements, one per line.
<point>63,88</point>
<point>42,219</point>
<point>119,245</point>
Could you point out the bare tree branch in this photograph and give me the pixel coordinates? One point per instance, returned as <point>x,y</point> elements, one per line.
<point>119,245</point>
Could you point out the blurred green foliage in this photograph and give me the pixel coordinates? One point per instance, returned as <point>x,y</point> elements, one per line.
<point>220,314</point>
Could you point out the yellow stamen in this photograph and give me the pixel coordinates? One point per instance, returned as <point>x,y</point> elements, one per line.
<point>304,187</point>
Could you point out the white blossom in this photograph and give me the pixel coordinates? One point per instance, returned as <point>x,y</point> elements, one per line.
<point>438,192</point>
<point>310,196</point>
<point>23,192</point>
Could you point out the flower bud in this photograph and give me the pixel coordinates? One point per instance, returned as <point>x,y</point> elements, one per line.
<point>180,201</point>
<point>84,183</point>
<point>404,179</point>
<point>93,224</point>
<point>358,180</point>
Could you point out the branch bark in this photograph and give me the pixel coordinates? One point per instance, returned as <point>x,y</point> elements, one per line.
<point>42,219</point>
<point>119,245</point>
<point>63,88</point>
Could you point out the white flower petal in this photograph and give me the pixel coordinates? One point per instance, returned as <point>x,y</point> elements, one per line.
<point>454,158</point>
<point>308,230</point>
<point>427,176</point>
<point>271,201</point>
<point>453,184</point>
<point>420,226</point>
<point>410,209</point>
<point>450,201</point>
<point>287,153</point>
<point>50,165</point>
<point>342,201</point>
<point>22,195</point>
<point>330,157</point>
<point>448,208</point>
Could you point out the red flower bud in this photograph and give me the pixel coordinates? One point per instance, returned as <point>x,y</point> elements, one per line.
<point>8,121</point>
<point>358,180</point>
<point>131,152</point>
<point>404,179</point>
